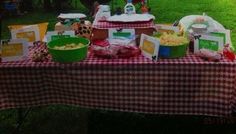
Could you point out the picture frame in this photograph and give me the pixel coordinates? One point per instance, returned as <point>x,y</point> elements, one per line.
<point>14,50</point>
<point>149,47</point>
<point>121,33</point>
<point>210,42</point>
<point>29,33</point>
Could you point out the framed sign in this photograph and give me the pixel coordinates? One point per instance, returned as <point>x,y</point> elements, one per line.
<point>55,35</point>
<point>121,33</point>
<point>149,47</point>
<point>29,33</point>
<point>210,42</point>
<point>14,50</point>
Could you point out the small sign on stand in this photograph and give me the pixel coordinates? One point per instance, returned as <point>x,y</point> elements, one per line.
<point>29,33</point>
<point>149,47</point>
<point>14,50</point>
<point>209,42</point>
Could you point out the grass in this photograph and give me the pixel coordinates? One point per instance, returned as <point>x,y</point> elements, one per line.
<point>65,119</point>
<point>165,11</point>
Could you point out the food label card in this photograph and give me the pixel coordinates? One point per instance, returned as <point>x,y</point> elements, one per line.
<point>121,33</point>
<point>149,47</point>
<point>30,33</point>
<point>14,50</point>
<point>55,35</point>
<point>208,42</point>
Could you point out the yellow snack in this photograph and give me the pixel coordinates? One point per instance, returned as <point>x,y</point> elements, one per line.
<point>71,46</point>
<point>172,40</point>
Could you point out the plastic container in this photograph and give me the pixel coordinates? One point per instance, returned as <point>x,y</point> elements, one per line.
<point>67,56</point>
<point>173,51</point>
<point>103,13</point>
<point>129,8</point>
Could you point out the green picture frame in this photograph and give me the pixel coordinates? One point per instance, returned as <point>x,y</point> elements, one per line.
<point>210,42</point>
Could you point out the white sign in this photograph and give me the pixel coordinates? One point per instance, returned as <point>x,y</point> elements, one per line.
<point>14,50</point>
<point>149,47</point>
<point>30,33</point>
<point>209,42</point>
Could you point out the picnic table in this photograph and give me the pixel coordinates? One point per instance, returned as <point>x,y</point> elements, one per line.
<point>186,86</point>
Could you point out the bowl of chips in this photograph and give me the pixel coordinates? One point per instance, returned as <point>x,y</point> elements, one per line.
<point>68,50</point>
<point>172,46</point>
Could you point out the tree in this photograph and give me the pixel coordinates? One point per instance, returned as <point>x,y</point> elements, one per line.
<point>47,5</point>
<point>26,5</point>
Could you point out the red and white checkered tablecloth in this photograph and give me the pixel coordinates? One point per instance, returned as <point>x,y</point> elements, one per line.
<point>106,25</point>
<point>170,86</point>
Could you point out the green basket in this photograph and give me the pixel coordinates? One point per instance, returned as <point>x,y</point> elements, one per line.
<point>67,56</point>
<point>173,51</point>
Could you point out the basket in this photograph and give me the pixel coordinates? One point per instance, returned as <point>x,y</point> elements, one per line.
<point>172,51</point>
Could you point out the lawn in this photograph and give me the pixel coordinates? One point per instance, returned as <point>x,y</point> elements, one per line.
<point>65,119</point>
<point>166,11</point>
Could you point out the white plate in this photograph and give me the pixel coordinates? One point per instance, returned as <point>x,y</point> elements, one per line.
<point>131,18</point>
<point>71,15</point>
<point>199,26</point>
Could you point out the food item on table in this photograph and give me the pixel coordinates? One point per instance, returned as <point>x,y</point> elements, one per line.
<point>40,54</point>
<point>172,45</point>
<point>71,46</point>
<point>83,29</point>
<point>200,19</point>
<point>103,49</point>
<point>199,28</point>
<point>228,53</point>
<point>172,40</point>
<point>209,55</point>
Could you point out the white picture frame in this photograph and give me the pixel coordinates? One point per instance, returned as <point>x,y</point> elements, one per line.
<point>149,47</point>
<point>213,40</point>
<point>32,29</point>
<point>21,53</point>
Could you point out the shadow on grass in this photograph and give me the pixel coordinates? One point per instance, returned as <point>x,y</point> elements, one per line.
<point>74,120</point>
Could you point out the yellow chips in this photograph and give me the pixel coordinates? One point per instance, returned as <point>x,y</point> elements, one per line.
<point>69,46</point>
<point>172,40</point>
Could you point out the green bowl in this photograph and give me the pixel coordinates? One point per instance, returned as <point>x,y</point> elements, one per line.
<point>67,56</point>
<point>173,51</point>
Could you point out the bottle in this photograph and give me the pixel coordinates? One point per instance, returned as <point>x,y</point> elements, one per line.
<point>129,8</point>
